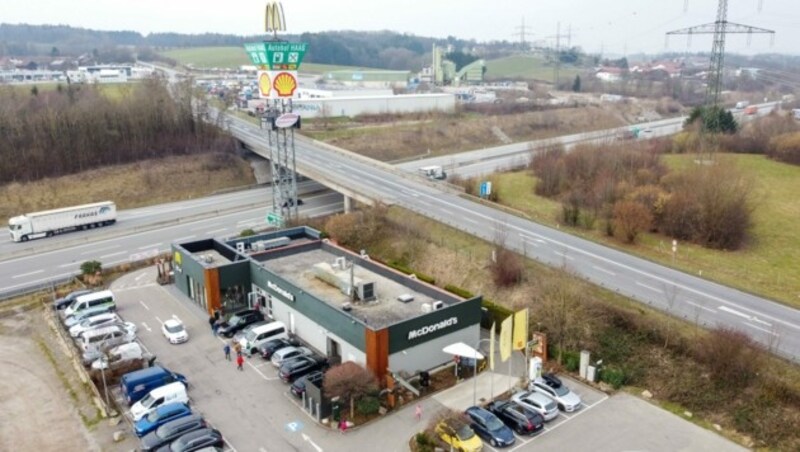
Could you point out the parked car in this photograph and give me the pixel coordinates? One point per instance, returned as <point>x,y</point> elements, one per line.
<point>460,437</point>
<point>174,331</point>
<point>195,440</point>
<point>160,416</point>
<point>239,321</point>
<point>537,402</point>
<point>298,388</point>
<point>119,355</point>
<point>173,392</point>
<point>135,385</point>
<point>75,319</point>
<point>268,348</point>
<point>261,334</point>
<point>489,427</point>
<point>241,334</point>
<point>517,417</point>
<point>62,303</point>
<point>551,386</point>
<point>93,342</point>
<point>295,368</point>
<point>172,430</point>
<point>288,353</point>
<point>94,322</point>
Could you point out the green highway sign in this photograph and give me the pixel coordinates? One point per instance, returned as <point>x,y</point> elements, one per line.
<point>277,55</point>
<point>274,219</point>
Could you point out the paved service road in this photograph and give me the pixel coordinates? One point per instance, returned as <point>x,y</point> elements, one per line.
<point>709,304</point>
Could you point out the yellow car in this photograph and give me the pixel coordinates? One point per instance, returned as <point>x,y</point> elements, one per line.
<point>462,438</point>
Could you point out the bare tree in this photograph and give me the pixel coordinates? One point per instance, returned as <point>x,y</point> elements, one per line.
<point>349,381</point>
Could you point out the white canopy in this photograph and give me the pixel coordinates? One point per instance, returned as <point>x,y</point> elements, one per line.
<point>462,349</point>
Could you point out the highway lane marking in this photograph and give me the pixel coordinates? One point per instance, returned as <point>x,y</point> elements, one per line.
<point>27,274</point>
<point>181,239</point>
<point>113,254</point>
<point>216,230</point>
<point>654,289</point>
<point>529,242</point>
<point>68,265</point>
<point>92,251</point>
<point>564,255</point>
<point>143,304</point>
<point>606,271</point>
<point>470,220</point>
<point>249,220</point>
<point>701,306</point>
<point>760,329</point>
<point>154,245</point>
<point>734,312</point>
<point>205,226</point>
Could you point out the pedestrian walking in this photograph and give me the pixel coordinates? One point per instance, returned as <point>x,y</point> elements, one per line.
<point>227,350</point>
<point>342,425</point>
<point>418,412</point>
<point>212,321</point>
<point>240,362</point>
<point>237,347</point>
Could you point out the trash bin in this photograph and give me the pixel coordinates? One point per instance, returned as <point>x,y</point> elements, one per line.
<point>335,410</point>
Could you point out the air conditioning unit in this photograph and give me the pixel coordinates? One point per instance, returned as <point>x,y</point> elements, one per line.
<point>366,291</point>
<point>240,247</point>
<point>275,243</point>
<point>426,308</point>
<point>405,298</point>
<point>438,304</point>
<point>208,258</point>
<point>340,262</point>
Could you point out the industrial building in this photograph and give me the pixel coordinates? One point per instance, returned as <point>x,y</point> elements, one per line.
<point>342,304</point>
<point>368,78</point>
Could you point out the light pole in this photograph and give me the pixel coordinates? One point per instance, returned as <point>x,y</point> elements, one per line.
<point>475,370</point>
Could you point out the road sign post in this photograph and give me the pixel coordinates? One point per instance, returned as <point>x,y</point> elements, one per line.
<point>274,219</point>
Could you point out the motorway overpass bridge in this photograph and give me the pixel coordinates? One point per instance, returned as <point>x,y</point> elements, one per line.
<point>683,295</point>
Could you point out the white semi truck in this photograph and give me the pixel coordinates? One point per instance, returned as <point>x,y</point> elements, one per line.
<point>50,222</point>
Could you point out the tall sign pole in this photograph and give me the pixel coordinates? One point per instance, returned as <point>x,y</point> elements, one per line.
<point>277,62</point>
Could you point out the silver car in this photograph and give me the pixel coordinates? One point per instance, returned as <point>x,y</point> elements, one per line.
<point>537,402</point>
<point>552,387</point>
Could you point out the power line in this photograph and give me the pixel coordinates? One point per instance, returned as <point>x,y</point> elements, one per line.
<point>522,33</point>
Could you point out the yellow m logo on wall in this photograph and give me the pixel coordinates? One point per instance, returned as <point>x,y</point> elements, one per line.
<point>274,19</point>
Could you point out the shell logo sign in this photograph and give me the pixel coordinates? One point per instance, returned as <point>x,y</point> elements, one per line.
<point>264,84</point>
<point>285,84</point>
<point>277,84</point>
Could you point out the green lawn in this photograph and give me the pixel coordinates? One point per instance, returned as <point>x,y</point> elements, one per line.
<point>114,91</point>
<point>232,57</point>
<point>528,67</point>
<point>769,265</point>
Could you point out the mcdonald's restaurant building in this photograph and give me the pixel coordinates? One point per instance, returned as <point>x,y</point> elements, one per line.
<point>342,304</point>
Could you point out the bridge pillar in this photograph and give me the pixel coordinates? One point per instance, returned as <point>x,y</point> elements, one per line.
<point>348,204</point>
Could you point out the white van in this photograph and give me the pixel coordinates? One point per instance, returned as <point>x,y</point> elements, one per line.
<point>94,300</point>
<point>119,355</point>
<point>173,392</point>
<point>260,334</point>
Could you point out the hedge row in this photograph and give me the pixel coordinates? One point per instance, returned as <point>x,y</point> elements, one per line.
<point>493,313</point>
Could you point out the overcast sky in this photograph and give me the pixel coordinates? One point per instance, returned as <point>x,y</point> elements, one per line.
<point>616,26</point>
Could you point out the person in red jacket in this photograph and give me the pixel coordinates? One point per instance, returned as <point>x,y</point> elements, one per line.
<point>240,362</point>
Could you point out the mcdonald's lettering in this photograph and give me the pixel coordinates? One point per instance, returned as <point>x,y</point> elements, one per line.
<point>273,18</point>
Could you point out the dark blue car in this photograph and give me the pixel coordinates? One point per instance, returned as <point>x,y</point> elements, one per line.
<point>160,416</point>
<point>489,427</point>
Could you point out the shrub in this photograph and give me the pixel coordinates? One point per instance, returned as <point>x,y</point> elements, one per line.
<point>399,266</point>
<point>91,267</point>
<point>731,356</point>
<point>463,293</point>
<point>424,442</point>
<point>572,360</point>
<point>785,148</point>
<point>630,219</point>
<point>247,233</point>
<point>367,405</point>
<point>507,268</point>
<point>613,376</point>
<point>496,313</point>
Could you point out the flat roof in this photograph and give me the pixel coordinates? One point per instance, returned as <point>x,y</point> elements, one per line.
<point>385,310</point>
<point>210,258</point>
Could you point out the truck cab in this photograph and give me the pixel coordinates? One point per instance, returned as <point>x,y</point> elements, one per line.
<point>433,172</point>
<point>19,227</point>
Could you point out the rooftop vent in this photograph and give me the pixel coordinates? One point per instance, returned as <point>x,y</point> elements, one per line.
<point>426,308</point>
<point>347,307</point>
<point>438,304</point>
<point>405,298</point>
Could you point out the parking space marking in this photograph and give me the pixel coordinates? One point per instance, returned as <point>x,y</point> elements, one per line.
<point>146,327</point>
<point>143,304</point>
<point>159,321</point>
<point>260,373</point>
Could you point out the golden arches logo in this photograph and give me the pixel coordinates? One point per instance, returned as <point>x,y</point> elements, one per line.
<point>274,20</point>
<point>285,84</point>
<point>264,84</point>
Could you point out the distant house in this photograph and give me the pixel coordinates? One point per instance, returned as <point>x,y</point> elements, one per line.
<point>609,74</point>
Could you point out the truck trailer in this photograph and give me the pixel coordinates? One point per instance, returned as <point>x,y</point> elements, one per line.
<point>50,222</point>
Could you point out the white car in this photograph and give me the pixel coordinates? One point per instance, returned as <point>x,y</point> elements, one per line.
<point>118,355</point>
<point>287,353</point>
<point>552,387</point>
<point>174,331</point>
<point>537,402</point>
<point>94,322</point>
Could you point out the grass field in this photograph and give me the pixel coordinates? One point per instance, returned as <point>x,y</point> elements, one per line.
<point>232,57</point>
<point>769,265</point>
<point>527,67</point>
<point>114,91</point>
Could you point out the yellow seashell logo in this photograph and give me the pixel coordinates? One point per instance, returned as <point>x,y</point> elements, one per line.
<point>285,84</point>
<point>264,84</point>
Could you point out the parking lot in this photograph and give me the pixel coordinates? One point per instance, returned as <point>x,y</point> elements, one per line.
<point>255,411</point>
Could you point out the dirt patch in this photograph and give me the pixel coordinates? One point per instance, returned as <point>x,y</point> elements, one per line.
<point>43,403</point>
